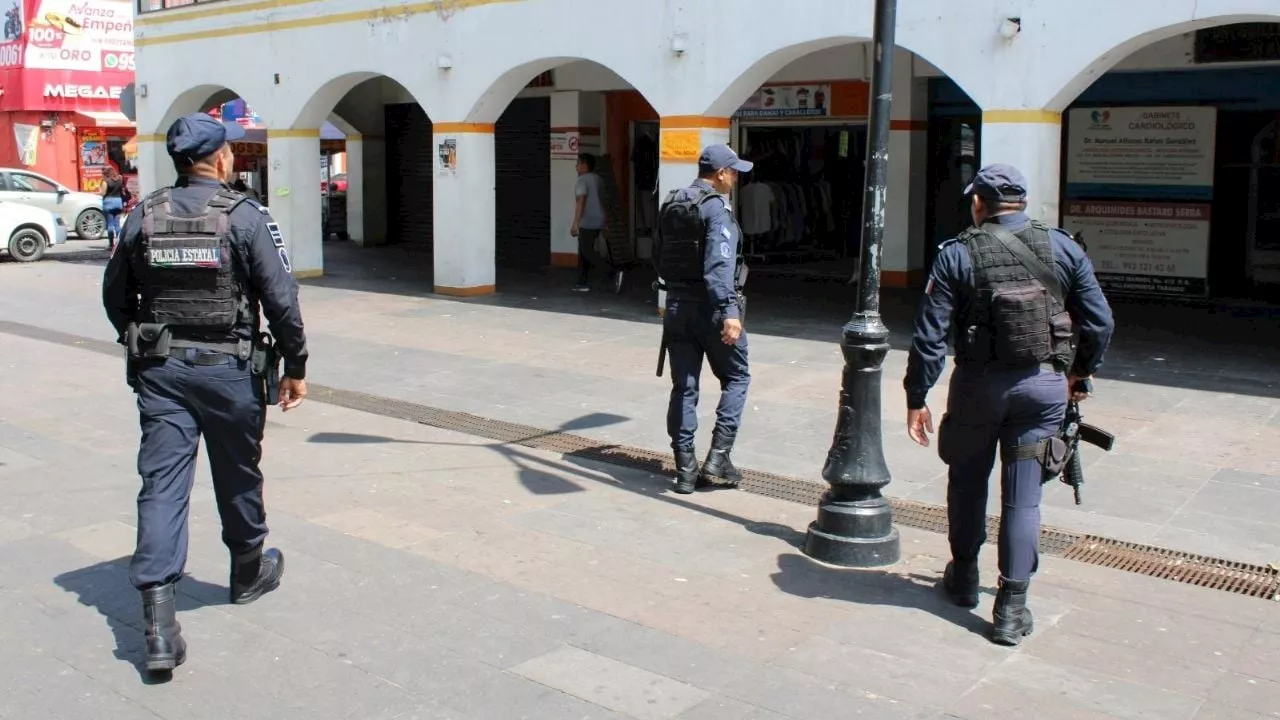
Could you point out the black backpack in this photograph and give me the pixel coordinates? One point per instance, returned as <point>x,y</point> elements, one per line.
<point>680,246</point>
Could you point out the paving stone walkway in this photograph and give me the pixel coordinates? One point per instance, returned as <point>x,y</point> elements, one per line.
<point>1193,397</point>
<point>434,575</point>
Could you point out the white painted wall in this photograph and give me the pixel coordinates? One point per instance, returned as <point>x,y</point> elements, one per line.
<point>307,58</point>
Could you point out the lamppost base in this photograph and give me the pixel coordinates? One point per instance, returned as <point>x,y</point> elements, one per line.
<point>857,534</point>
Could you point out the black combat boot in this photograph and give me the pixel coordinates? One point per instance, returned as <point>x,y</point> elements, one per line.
<point>686,470</point>
<point>255,574</point>
<point>166,649</point>
<point>961,583</point>
<point>718,468</point>
<point>1012,619</point>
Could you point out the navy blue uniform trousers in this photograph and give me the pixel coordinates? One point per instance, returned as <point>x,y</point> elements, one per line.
<point>178,401</point>
<point>692,331</point>
<point>1009,407</point>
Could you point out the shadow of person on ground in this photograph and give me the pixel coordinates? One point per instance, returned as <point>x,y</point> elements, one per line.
<point>105,587</point>
<point>802,577</point>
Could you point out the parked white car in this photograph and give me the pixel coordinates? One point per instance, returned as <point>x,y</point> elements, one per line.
<point>28,231</point>
<point>81,212</point>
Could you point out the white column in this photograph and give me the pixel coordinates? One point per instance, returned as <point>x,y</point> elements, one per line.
<point>576,115</point>
<point>680,143</point>
<point>155,167</point>
<point>1030,140</point>
<point>902,257</point>
<point>465,207</point>
<point>355,188</point>
<point>293,196</point>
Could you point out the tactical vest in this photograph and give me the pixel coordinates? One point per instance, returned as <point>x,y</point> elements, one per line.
<point>1015,319</point>
<point>680,250</point>
<point>186,265</point>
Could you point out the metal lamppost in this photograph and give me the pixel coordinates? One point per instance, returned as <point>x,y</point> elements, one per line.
<point>855,522</point>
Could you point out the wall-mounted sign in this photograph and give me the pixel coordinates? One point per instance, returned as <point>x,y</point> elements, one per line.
<point>1147,153</point>
<point>1145,248</point>
<point>566,145</point>
<point>788,101</point>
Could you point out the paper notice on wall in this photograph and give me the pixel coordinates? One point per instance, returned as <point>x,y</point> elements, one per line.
<point>447,151</point>
<point>28,139</point>
<point>1145,248</point>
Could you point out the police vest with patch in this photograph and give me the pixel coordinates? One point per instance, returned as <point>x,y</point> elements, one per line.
<point>682,237</point>
<point>186,265</point>
<point>1017,316</point>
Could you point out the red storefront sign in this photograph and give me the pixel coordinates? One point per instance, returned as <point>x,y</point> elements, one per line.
<point>66,55</point>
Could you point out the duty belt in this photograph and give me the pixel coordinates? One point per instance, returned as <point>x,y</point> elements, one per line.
<point>214,351</point>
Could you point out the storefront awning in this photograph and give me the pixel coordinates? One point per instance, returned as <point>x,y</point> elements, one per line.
<point>106,119</point>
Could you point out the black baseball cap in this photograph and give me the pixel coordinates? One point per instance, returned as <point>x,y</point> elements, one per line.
<point>1000,182</point>
<point>198,135</point>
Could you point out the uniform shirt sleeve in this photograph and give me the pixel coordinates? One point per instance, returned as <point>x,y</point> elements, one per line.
<point>119,283</point>
<point>1088,308</point>
<point>721,257</point>
<point>928,353</point>
<point>270,275</point>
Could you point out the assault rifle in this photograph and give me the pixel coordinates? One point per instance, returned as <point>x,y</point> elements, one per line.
<point>1074,429</point>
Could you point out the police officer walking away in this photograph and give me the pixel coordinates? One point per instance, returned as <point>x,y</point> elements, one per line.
<point>183,290</point>
<point>697,260</point>
<point>1012,287</point>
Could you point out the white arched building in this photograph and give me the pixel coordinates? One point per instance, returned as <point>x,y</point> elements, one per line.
<point>437,99</point>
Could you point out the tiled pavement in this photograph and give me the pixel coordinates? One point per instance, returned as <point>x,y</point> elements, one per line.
<point>434,575</point>
<point>1193,397</point>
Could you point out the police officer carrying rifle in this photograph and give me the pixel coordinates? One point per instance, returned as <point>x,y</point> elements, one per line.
<point>1012,287</point>
<point>697,260</point>
<point>183,290</point>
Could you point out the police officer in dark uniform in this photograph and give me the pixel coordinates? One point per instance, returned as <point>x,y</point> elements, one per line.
<point>183,290</point>
<point>1011,287</point>
<point>698,263</point>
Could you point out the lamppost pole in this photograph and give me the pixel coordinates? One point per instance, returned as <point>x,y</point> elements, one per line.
<point>855,522</point>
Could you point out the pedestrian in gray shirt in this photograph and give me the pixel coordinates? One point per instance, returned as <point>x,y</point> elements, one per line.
<point>588,218</point>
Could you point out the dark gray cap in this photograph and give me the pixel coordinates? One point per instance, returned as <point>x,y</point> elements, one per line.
<point>719,157</point>
<point>999,182</point>
<point>198,135</point>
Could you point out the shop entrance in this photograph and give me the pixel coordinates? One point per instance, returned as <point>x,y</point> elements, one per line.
<point>644,184</point>
<point>953,162</point>
<point>800,207</point>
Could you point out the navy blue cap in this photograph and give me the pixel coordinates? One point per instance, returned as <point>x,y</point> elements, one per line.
<point>719,157</point>
<point>999,182</point>
<point>198,135</point>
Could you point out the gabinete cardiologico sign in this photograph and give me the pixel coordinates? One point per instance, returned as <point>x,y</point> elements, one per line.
<point>66,54</point>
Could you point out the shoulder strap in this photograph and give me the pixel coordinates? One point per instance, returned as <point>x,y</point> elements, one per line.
<point>1027,258</point>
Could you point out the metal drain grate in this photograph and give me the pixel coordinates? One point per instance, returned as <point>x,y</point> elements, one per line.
<point>1224,575</point>
<point>1233,577</point>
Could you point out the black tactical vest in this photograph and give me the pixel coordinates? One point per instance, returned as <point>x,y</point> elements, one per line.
<point>1014,319</point>
<point>682,238</point>
<point>186,266</point>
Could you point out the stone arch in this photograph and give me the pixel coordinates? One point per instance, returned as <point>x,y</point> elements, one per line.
<point>1112,49</point>
<point>201,97</point>
<point>501,89</point>
<point>747,78</point>
<point>318,103</point>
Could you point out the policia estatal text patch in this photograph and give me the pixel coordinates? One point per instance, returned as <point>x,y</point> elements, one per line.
<point>185,257</point>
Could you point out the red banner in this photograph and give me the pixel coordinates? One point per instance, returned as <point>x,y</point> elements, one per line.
<point>66,55</point>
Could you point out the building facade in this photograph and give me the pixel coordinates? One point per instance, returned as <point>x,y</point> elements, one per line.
<point>462,119</point>
<point>63,67</point>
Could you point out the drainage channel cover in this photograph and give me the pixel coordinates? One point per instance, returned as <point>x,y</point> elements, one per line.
<point>1217,574</point>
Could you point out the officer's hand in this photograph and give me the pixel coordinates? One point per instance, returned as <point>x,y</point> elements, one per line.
<point>920,422</point>
<point>730,331</point>
<point>292,391</point>
<point>1085,389</point>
